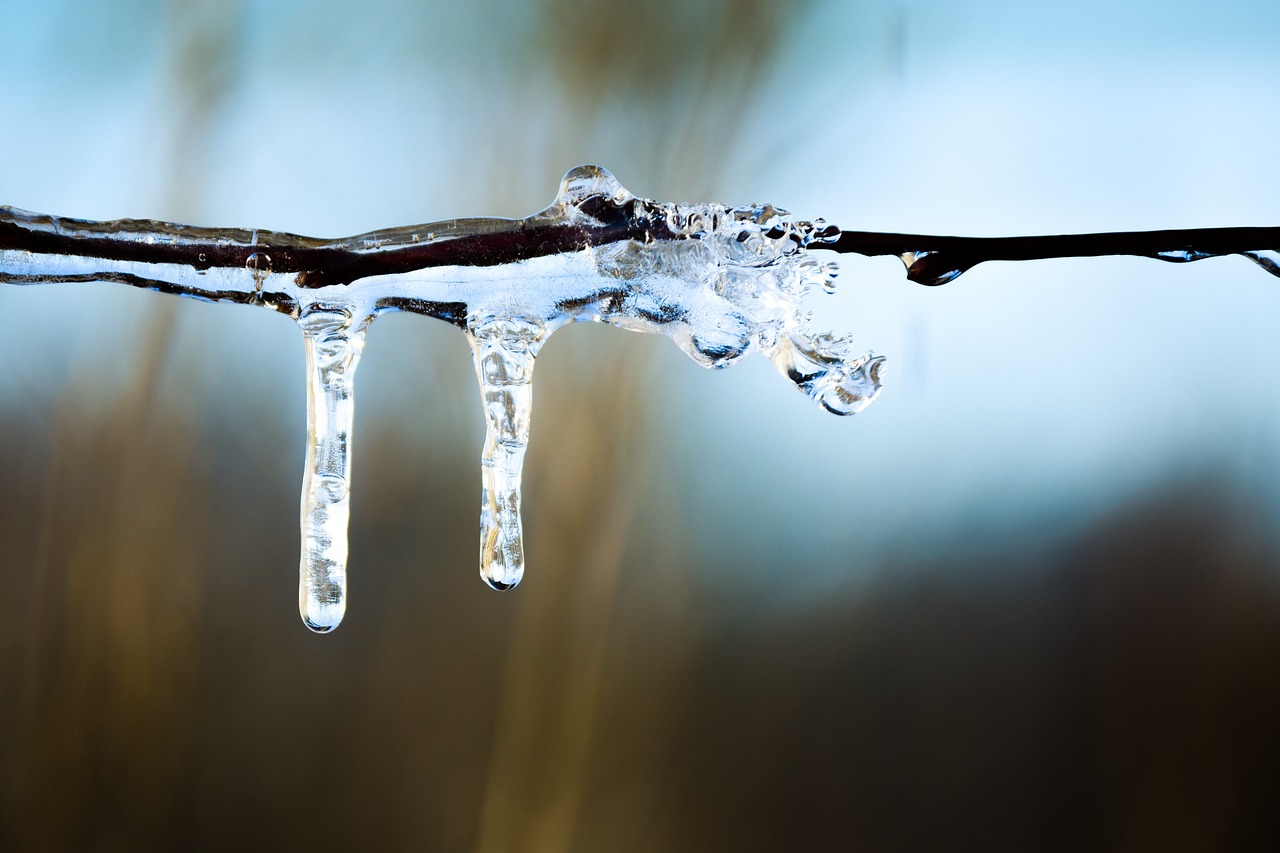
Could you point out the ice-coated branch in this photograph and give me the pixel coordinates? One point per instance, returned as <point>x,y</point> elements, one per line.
<point>719,281</point>
<point>285,271</point>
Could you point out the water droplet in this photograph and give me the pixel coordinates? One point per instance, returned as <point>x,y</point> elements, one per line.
<point>930,268</point>
<point>584,183</point>
<point>1268,259</point>
<point>259,266</point>
<point>823,232</point>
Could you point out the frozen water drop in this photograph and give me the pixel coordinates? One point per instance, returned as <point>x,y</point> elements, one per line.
<point>329,488</point>
<point>585,188</point>
<point>824,232</point>
<point>930,268</point>
<point>259,266</point>
<point>828,274</point>
<point>1268,259</point>
<point>826,369</point>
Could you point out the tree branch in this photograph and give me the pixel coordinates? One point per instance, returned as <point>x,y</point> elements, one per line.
<point>719,281</point>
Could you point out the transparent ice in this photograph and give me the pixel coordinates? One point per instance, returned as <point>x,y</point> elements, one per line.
<point>721,282</point>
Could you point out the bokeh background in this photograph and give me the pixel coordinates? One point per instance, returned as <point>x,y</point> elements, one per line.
<point>1029,600</point>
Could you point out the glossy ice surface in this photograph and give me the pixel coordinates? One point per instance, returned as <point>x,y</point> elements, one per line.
<point>721,282</point>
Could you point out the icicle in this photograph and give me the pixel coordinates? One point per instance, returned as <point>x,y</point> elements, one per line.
<point>334,340</point>
<point>504,351</point>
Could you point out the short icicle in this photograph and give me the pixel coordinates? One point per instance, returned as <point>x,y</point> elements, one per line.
<point>504,351</point>
<point>334,339</point>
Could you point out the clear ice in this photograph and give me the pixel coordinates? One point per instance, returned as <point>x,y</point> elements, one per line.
<point>730,282</point>
<point>721,282</point>
<point>333,344</point>
<point>504,350</point>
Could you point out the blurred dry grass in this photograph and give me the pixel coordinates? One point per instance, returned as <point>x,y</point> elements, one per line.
<point>1120,694</point>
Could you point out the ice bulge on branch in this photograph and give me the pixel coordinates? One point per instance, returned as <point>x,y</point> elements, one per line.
<point>719,281</point>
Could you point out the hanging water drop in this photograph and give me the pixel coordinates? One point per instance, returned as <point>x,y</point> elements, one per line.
<point>830,271</point>
<point>1268,259</point>
<point>259,266</point>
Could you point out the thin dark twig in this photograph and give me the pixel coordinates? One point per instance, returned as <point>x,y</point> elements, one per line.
<point>934,260</point>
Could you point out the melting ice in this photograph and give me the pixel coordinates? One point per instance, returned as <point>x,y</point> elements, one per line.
<point>727,282</point>
<point>721,282</point>
<point>730,282</point>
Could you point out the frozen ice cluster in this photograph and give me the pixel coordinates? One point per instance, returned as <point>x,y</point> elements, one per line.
<point>719,281</point>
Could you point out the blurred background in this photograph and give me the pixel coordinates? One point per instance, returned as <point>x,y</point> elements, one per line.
<point>1029,600</point>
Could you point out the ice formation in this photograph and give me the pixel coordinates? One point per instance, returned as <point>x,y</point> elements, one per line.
<point>719,281</point>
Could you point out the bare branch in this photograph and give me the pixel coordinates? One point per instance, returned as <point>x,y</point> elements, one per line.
<point>933,260</point>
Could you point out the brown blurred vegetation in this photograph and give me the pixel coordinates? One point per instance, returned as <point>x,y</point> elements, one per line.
<point>1117,693</point>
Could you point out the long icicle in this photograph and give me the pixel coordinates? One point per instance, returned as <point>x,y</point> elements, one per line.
<point>334,341</point>
<point>504,352</point>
